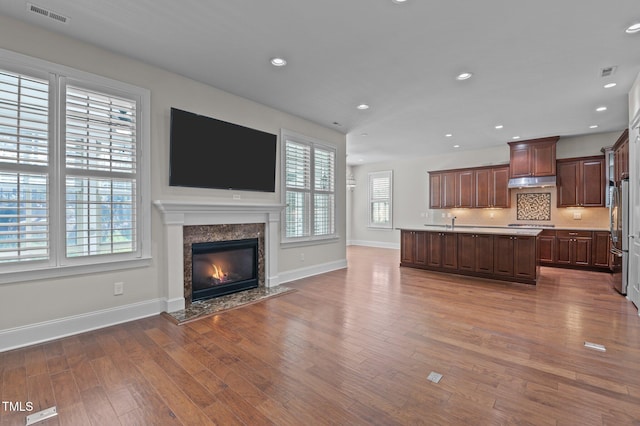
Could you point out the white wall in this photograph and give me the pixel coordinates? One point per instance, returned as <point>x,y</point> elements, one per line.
<point>411,191</point>
<point>27,303</point>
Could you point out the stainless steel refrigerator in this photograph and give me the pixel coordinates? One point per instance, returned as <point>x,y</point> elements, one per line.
<point>619,225</point>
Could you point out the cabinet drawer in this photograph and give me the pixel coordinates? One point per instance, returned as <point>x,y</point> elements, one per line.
<point>573,234</point>
<point>547,233</point>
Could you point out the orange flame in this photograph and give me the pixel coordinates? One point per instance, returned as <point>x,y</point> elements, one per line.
<point>217,272</point>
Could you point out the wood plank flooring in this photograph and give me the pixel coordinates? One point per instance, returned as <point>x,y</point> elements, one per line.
<point>354,347</point>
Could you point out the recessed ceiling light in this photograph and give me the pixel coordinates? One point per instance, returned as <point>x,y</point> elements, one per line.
<point>499,126</point>
<point>609,85</point>
<point>363,106</point>
<point>448,135</point>
<point>278,62</point>
<point>464,76</point>
<point>456,146</point>
<point>633,28</point>
<point>515,137</point>
<point>399,1</point>
<point>593,126</point>
<point>364,134</point>
<point>601,108</point>
<point>360,160</point>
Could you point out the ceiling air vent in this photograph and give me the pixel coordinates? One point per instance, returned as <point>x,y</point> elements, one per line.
<point>608,71</point>
<point>47,13</point>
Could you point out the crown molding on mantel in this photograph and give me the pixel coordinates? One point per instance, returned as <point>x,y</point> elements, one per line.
<point>173,212</point>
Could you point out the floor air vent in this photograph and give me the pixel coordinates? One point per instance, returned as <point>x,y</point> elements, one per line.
<point>47,13</point>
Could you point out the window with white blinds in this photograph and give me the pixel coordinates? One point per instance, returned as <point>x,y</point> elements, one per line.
<point>100,184</point>
<point>70,169</point>
<point>380,199</point>
<point>309,180</point>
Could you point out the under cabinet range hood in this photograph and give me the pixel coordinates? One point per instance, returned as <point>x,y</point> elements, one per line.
<point>532,182</point>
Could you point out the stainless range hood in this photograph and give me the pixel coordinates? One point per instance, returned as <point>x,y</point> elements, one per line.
<point>532,182</point>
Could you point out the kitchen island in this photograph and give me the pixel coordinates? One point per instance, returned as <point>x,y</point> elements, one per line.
<point>495,253</point>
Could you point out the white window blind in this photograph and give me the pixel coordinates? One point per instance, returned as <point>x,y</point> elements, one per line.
<point>100,182</point>
<point>380,199</point>
<point>73,176</point>
<point>24,168</point>
<point>309,177</point>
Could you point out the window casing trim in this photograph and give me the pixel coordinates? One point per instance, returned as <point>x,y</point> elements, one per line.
<point>387,174</point>
<point>312,143</point>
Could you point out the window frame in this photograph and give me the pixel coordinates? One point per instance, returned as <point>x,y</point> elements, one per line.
<point>287,135</point>
<point>58,265</point>
<point>388,174</point>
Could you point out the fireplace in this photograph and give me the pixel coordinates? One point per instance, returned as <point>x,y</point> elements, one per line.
<point>223,267</point>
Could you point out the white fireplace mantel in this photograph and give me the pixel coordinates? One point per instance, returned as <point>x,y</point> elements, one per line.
<point>176,214</point>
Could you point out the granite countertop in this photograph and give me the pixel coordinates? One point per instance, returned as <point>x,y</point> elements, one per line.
<point>468,229</point>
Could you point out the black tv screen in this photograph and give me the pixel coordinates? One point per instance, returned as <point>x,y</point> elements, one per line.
<point>210,153</point>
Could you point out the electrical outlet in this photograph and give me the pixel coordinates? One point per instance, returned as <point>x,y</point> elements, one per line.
<point>236,196</point>
<point>301,257</point>
<point>577,215</point>
<point>118,289</point>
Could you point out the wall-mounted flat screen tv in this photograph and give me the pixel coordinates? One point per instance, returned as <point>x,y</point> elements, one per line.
<point>210,153</point>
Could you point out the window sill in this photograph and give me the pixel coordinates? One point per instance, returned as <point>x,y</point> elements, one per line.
<point>69,271</point>
<point>310,242</point>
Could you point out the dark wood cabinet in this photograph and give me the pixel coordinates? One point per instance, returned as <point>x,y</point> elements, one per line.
<point>574,248</point>
<point>413,247</point>
<point>601,246</point>
<point>491,187</point>
<point>442,250</point>
<point>475,253</point>
<point>435,191</point>
<point>534,157</point>
<point>465,189</point>
<point>621,157</point>
<point>581,182</point>
<point>547,247</point>
<point>481,187</point>
<point>524,257</point>
<point>503,257</point>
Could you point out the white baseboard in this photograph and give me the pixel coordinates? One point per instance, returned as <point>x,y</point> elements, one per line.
<point>49,330</point>
<point>378,244</point>
<point>310,271</point>
<point>173,305</point>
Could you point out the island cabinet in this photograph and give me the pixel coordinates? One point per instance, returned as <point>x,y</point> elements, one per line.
<point>581,182</point>
<point>442,250</point>
<point>413,247</point>
<point>534,157</point>
<point>475,253</point>
<point>487,255</point>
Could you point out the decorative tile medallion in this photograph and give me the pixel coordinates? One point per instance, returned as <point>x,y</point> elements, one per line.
<point>534,206</point>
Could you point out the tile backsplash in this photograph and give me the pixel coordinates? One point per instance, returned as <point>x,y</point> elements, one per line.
<point>565,217</point>
<point>533,206</point>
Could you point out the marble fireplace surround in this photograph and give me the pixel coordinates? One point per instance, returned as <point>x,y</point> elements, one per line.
<point>178,214</point>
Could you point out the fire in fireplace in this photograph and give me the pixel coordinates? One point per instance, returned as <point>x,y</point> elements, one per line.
<point>223,267</point>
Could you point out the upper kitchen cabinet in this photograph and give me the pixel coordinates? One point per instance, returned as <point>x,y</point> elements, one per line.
<point>479,187</point>
<point>581,182</point>
<point>491,185</point>
<point>621,157</point>
<point>534,157</point>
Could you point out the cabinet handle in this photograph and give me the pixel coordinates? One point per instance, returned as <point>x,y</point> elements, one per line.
<point>573,233</point>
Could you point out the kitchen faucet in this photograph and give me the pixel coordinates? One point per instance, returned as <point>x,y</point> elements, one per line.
<point>453,222</point>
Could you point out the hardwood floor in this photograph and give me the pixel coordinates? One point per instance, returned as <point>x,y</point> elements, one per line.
<point>355,347</point>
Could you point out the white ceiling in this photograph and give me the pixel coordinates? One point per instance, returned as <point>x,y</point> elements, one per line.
<point>536,64</point>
